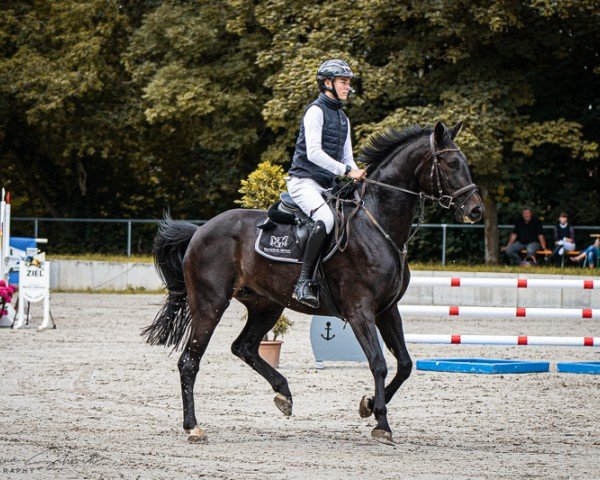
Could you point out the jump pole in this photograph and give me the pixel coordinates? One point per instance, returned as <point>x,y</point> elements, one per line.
<point>498,312</point>
<point>502,340</point>
<point>583,284</point>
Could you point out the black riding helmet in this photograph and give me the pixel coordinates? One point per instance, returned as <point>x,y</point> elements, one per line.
<point>331,69</point>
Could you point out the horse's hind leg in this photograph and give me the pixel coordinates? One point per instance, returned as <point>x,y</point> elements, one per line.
<point>261,318</point>
<point>206,311</point>
<point>390,327</point>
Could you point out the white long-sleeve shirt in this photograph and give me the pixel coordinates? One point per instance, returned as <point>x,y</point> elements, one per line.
<point>313,130</point>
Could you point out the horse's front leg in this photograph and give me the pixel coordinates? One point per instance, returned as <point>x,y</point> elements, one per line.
<point>363,325</point>
<point>390,327</point>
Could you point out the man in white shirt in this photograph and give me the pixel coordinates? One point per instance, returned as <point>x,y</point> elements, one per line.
<point>323,151</point>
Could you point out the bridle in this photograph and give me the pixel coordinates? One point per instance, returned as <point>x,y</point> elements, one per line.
<point>445,201</point>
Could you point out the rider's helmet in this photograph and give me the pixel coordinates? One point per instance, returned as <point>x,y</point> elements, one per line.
<point>331,69</point>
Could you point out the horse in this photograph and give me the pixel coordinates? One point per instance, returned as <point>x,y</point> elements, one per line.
<point>204,267</point>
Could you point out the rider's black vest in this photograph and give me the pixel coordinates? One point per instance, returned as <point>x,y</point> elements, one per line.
<point>561,232</point>
<point>335,132</point>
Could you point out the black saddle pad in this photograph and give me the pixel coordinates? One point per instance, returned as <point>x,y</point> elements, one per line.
<point>283,242</point>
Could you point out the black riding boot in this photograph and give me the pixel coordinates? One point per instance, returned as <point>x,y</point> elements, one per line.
<point>554,255</point>
<point>303,291</point>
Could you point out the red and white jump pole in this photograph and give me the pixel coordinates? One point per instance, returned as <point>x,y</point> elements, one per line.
<point>582,284</point>
<point>502,340</point>
<point>496,312</point>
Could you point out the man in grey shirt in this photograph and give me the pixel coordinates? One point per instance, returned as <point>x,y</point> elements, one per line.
<point>323,151</point>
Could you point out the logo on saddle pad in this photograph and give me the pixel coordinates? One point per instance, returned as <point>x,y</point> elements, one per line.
<point>279,242</point>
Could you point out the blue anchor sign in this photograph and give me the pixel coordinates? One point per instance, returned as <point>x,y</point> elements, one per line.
<point>340,346</point>
<point>328,331</point>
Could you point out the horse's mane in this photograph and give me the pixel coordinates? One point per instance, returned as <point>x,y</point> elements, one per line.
<point>380,145</point>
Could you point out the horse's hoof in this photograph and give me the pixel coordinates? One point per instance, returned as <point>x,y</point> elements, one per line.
<point>363,409</point>
<point>197,435</point>
<point>284,404</point>
<point>382,436</point>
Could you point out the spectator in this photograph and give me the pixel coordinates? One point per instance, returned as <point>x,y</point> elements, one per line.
<point>592,253</point>
<point>564,238</point>
<point>527,234</point>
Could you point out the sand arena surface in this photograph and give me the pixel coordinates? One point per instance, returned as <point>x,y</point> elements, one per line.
<point>91,400</point>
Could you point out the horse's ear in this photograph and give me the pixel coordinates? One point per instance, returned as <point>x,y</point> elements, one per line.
<point>439,133</point>
<point>455,130</point>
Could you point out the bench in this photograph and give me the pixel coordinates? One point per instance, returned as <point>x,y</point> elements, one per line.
<point>545,253</point>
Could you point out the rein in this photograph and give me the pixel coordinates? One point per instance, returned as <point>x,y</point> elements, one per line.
<point>445,201</point>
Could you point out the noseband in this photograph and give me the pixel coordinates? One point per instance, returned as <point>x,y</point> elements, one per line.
<point>445,201</point>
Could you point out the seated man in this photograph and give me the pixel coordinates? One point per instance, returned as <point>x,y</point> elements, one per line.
<point>564,238</point>
<point>528,234</point>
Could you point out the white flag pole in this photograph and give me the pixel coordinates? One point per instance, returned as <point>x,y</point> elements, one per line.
<point>3,250</point>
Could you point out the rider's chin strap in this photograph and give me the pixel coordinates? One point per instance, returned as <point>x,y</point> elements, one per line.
<point>331,89</point>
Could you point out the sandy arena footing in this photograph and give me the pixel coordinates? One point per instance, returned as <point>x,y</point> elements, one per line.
<point>91,400</point>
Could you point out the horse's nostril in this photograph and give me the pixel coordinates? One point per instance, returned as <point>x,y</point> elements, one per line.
<point>476,213</point>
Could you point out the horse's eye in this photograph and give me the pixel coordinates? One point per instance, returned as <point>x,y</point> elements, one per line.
<point>453,164</point>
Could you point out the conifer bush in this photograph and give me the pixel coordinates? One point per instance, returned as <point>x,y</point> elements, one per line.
<point>262,187</point>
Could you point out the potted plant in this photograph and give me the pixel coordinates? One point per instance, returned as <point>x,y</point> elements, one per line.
<point>260,190</point>
<point>270,350</point>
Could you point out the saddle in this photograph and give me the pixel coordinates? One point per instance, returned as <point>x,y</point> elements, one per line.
<point>283,235</point>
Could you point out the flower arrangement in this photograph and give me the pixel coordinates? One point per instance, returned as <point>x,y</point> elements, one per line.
<point>6,294</point>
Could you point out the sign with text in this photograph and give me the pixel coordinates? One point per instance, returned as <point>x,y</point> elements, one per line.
<point>34,286</point>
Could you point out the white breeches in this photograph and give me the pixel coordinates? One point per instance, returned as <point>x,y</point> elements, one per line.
<point>307,194</point>
<point>566,247</point>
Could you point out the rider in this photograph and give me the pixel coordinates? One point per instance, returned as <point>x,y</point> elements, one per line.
<point>323,151</point>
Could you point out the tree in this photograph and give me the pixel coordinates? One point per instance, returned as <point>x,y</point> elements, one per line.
<point>122,108</point>
<point>63,104</point>
<point>495,65</point>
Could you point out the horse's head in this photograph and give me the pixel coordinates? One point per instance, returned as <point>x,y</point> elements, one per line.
<point>445,175</point>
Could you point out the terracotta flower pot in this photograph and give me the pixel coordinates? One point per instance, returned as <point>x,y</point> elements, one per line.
<point>270,350</point>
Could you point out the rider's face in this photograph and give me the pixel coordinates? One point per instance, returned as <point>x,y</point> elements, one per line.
<point>342,87</point>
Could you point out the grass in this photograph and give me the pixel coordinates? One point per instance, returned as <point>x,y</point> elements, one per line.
<point>540,269</point>
<point>452,266</point>
<point>127,291</point>
<point>101,257</point>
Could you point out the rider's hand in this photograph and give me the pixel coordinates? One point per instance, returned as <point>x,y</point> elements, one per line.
<point>357,174</point>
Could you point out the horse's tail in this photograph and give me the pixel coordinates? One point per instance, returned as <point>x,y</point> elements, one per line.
<point>172,323</point>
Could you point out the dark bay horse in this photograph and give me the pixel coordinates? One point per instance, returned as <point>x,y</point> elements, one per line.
<point>205,267</point>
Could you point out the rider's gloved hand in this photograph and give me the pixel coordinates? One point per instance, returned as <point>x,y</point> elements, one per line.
<point>357,174</point>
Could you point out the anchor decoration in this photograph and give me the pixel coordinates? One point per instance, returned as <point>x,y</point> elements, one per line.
<point>328,331</point>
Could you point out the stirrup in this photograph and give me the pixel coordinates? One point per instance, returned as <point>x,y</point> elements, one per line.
<point>305,294</point>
